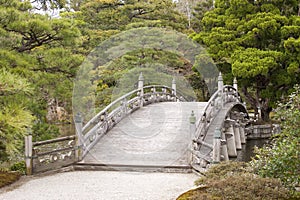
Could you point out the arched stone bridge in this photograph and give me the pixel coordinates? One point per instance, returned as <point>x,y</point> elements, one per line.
<point>153,128</point>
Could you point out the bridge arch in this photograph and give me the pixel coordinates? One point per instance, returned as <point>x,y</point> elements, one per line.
<point>220,131</point>
<point>240,108</point>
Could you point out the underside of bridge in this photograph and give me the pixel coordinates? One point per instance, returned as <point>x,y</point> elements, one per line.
<point>155,135</point>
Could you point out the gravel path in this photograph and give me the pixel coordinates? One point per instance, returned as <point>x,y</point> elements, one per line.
<point>103,185</point>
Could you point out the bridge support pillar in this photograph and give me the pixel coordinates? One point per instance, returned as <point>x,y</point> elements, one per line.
<point>231,148</point>
<point>224,151</point>
<point>242,133</point>
<point>237,136</point>
<point>217,146</point>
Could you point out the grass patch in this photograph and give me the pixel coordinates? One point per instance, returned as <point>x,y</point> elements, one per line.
<point>7,178</point>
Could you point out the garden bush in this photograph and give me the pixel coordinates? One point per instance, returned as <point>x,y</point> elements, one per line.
<point>281,159</point>
<point>235,180</point>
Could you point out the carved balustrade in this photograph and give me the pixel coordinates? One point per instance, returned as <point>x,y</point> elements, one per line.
<point>53,154</point>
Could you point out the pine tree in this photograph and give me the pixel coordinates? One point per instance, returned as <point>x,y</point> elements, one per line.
<point>258,42</point>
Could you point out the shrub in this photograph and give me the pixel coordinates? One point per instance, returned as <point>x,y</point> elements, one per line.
<point>43,131</point>
<point>223,170</point>
<point>235,180</point>
<point>248,186</point>
<point>19,167</point>
<point>281,159</point>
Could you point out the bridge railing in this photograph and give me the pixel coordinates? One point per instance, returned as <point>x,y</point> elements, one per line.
<point>50,154</point>
<point>225,95</point>
<point>106,119</point>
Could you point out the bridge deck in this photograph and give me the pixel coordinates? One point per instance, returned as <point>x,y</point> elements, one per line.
<point>154,135</point>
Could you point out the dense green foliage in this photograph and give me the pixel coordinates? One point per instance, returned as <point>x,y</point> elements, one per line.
<point>14,118</point>
<point>100,20</point>
<point>40,56</point>
<point>19,167</point>
<point>258,42</point>
<point>37,64</point>
<point>282,158</point>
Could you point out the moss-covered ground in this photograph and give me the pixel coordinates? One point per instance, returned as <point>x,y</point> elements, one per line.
<point>7,178</point>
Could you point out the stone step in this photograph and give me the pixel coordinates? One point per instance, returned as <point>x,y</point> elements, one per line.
<point>133,168</point>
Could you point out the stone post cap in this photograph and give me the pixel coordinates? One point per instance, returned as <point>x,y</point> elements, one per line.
<point>220,77</point>
<point>173,81</point>
<point>29,131</point>
<point>78,118</point>
<point>141,77</point>
<point>234,80</point>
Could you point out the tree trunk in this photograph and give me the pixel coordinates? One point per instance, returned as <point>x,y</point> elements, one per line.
<point>256,102</point>
<point>250,98</point>
<point>265,113</point>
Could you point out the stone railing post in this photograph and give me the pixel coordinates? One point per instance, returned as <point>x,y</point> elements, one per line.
<point>164,91</point>
<point>192,120</point>
<point>220,82</point>
<point>220,89</point>
<point>124,107</point>
<point>217,146</point>
<point>28,154</point>
<point>174,87</point>
<point>80,140</point>
<point>219,101</point>
<point>141,88</point>
<point>153,95</point>
<point>235,84</point>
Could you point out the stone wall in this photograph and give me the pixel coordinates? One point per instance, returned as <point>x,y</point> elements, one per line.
<point>262,131</point>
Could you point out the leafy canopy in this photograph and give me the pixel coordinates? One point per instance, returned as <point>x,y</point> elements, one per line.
<point>257,42</point>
